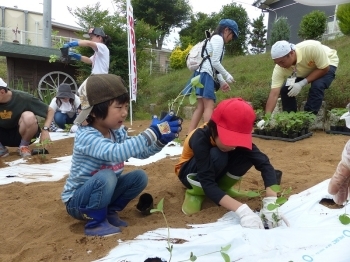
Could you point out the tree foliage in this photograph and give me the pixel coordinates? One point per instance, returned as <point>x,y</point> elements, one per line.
<point>114,26</point>
<point>199,22</point>
<point>162,15</point>
<point>313,25</point>
<point>239,14</point>
<point>258,36</point>
<point>343,16</point>
<point>280,30</point>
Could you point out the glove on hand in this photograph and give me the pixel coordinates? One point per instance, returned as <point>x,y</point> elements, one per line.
<point>296,87</point>
<point>272,218</point>
<point>261,124</point>
<point>339,184</point>
<point>248,218</point>
<point>164,130</point>
<point>71,44</point>
<point>73,129</point>
<point>75,55</point>
<point>230,79</point>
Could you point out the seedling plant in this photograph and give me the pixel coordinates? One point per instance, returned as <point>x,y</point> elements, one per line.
<point>41,146</point>
<point>193,257</point>
<point>345,218</point>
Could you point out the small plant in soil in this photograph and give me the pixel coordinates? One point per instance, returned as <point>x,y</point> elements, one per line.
<point>193,257</point>
<point>67,128</point>
<point>41,147</point>
<point>345,218</point>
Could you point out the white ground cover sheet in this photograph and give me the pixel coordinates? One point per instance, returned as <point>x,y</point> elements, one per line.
<point>315,234</point>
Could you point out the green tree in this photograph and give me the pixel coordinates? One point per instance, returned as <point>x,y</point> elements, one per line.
<point>258,36</point>
<point>239,14</point>
<point>343,16</point>
<point>115,27</point>
<point>162,15</point>
<point>280,30</point>
<point>313,25</point>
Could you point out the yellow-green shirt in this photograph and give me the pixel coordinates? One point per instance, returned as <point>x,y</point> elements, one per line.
<point>311,55</point>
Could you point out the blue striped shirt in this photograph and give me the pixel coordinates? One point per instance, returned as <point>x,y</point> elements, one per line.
<point>93,152</point>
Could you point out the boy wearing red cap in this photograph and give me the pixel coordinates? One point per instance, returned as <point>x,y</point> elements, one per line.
<point>216,156</point>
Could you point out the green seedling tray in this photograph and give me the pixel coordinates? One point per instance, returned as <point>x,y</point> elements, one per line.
<point>283,138</point>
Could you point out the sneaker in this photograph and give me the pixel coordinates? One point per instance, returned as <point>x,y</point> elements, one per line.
<point>3,151</point>
<point>24,151</point>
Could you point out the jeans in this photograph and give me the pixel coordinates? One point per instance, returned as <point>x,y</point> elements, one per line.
<point>61,119</point>
<point>315,96</point>
<point>104,188</point>
<point>233,162</point>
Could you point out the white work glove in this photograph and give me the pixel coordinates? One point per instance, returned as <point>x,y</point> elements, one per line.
<point>230,79</point>
<point>248,218</point>
<point>271,218</point>
<point>296,87</point>
<point>73,129</point>
<point>261,124</point>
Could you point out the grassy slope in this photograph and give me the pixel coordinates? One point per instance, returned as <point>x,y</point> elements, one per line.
<point>252,74</point>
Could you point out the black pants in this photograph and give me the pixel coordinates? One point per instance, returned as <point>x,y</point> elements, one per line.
<point>315,96</point>
<point>12,137</point>
<point>233,162</point>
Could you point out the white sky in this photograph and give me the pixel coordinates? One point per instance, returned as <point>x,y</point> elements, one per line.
<point>60,13</point>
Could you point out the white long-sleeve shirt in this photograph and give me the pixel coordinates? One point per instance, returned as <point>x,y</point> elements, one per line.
<point>215,48</point>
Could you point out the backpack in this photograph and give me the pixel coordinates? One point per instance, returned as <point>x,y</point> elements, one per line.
<point>195,57</point>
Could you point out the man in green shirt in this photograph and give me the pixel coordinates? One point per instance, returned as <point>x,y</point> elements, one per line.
<point>18,122</point>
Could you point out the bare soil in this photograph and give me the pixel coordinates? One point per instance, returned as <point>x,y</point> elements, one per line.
<point>36,227</point>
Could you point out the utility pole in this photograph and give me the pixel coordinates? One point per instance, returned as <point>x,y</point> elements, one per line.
<point>47,23</point>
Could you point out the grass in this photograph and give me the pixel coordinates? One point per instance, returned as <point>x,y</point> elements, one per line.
<point>252,74</point>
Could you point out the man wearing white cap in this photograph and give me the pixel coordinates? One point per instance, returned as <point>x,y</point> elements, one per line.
<point>18,123</point>
<point>296,66</point>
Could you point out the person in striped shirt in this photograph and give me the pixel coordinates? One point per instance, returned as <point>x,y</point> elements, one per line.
<point>96,188</point>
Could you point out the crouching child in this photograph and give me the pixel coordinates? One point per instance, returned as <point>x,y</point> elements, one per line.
<point>96,188</point>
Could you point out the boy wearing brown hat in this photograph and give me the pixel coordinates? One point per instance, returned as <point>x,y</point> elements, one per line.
<point>217,155</point>
<point>96,189</point>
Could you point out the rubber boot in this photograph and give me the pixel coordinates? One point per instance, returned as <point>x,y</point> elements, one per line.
<point>97,224</point>
<point>113,209</point>
<point>227,182</point>
<point>193,197</point>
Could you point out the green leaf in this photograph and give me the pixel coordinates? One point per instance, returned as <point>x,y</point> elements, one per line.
<point>154,210</point>
<point>160,204</point>
<point>272,207</point>
<point>225,257</point>
<point>252,194</point>
<point>193,257</point>
<point>193,97</point>
<point>276,188</point>
<point>281,200</point>
<point>344,219</point>
<point>195,82</point>
<point>226,248</point>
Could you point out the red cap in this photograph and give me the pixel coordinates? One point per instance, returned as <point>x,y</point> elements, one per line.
<point>234,119</point>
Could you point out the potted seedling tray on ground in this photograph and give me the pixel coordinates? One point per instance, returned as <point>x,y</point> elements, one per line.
<point>337,125</point>
<point>284,126</point>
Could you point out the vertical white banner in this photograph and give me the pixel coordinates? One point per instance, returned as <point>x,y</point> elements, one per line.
<point>132,52</point>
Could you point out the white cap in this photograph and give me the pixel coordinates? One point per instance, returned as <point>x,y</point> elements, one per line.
<point>346,117</point>
<point>281,48</point>
<point>2,83</point>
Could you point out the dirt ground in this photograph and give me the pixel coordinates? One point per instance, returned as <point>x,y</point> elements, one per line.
<point>35,226</point>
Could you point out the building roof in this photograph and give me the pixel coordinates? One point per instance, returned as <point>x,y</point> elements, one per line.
<point>9,49</point>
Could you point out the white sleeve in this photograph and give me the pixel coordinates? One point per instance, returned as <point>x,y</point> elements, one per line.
<point>53,104</point>
<point>76,101</point>
<point>217,43</point>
